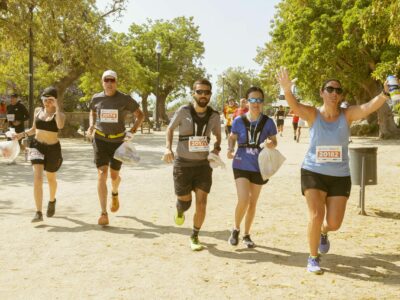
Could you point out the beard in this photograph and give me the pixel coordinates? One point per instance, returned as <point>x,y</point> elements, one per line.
<point>202,103</point>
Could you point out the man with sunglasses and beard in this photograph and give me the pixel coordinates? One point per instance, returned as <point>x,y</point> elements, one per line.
<point>325,172</point>
<point>108,110</point>
<point>192,171</point>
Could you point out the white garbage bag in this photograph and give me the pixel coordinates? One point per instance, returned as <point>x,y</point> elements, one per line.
<point>269,161</point>
<point>9,150</point>
<point>127,154</point>
<point>215,161</point>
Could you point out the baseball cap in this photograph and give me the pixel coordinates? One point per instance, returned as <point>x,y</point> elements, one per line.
<point>109,73</point>
<point>49,92</point>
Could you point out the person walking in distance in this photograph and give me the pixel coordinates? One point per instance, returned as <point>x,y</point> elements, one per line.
<point>108,110</point>
<point>280,119</point>
<point>192,171</point>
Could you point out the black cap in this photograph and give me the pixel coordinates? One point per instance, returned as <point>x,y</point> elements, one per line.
<point>50,92</point>
<point>14,95</point>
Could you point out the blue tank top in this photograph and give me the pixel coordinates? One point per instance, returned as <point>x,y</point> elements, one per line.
<point>328,151</point>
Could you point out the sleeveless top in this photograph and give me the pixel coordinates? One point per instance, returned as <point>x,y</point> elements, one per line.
<point>328,151</point>
<point>46,125</point>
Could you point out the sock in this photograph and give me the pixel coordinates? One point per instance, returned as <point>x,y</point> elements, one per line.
<point>114,194</point>
<point>195,232</point>
<point>314,257</point>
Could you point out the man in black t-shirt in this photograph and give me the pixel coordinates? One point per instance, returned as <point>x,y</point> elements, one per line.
<point>108,110</point>
<point>17,114</point>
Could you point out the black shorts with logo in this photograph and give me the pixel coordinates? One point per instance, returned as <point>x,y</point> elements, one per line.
<point>253,177</point>
<point>52,157</point>
<point>187,179</point>
<point>332,185</point>
<point>104,154</point>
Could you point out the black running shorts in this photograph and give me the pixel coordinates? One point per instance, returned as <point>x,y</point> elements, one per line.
<point>104,154</point>
<point>187,179</point>
<point>332,185</point>
<point>280,122</point>
<point>49,155</point>
<point>253,177</point>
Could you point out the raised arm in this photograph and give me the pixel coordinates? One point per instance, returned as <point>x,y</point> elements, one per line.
<point>306,112</point>
<point>357,112</point>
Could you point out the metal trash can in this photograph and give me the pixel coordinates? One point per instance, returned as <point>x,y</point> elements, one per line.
<point>370,169</point>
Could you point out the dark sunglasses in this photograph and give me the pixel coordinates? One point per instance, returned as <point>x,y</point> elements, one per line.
<point>330,90</point>
<point>109,79</point>
<point>255,100</point>
<point>203,92</point>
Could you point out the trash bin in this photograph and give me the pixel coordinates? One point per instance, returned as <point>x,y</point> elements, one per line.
<point>356,158</point>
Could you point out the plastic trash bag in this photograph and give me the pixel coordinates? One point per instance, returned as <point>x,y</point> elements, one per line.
<point>127,154</point>
<point>215,161</point>
<point>9,150</point>
<point>269,161</point>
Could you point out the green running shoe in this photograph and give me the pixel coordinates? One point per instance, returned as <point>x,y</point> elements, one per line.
<point>179,220</point>
<point>195,244</point>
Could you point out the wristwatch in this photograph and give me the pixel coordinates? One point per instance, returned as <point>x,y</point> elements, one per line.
<point>385,93</point>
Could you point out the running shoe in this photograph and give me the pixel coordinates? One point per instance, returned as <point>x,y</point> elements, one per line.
<point>103,220</point>
<point>179,219</point>
<point>324,243</point>
<point>114,202</point>
<point>248,242</point>
<point>38,217</point>
<point>51,208</point>
<point>234,238</point>
<point>195,243</point>
<point>313,266</point>
<point>295,138</point>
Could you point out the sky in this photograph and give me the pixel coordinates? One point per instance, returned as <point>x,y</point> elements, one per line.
<point>230,29</point>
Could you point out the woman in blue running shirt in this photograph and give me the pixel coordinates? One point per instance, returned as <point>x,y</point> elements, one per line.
<point>325,172</point>
<point>250,131</point>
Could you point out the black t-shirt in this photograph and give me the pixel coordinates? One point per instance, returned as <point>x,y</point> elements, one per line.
<point>19,111</point>
<point>111,111</point>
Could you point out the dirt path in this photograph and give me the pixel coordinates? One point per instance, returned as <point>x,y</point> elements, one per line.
<point>143,255</point>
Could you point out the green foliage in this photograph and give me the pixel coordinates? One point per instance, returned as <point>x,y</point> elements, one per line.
<point>347,40</point>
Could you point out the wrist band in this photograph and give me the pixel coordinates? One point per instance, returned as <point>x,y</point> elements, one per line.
<point>386,94</point>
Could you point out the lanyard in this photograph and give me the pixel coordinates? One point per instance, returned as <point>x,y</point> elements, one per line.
<point>252,132</point>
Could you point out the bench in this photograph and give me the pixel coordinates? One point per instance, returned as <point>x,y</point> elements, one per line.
<point>146,126</point>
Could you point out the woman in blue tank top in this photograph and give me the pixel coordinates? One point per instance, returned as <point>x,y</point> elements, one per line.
<point>325,172</point>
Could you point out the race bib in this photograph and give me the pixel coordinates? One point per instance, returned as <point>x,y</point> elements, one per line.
<point>198,144</point>
<point>109,115</point>
<point>280,117</point>
<point>34,154</point>
<point>328,154</point>
<point>10,117</point>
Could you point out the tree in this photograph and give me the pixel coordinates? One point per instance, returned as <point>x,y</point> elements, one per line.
<point>180,59</point>
<point>317,40</point>
<point>230,84</point>
<point>70,38</point>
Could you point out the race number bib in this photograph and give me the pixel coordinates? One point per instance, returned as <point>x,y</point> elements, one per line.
<point>328,154</point>
<point>198,144</point>
<point>34,154</point>
<point>109,115</point>
<point>280,117</point>
<point>10,117</point>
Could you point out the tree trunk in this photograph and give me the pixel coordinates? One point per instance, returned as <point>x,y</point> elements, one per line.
<point>387,126</point>
<point>64,83</point>
<point>161,108</point>
<point>144,107</point>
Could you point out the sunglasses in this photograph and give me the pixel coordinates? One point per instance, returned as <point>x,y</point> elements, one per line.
<point>255,100</point>
<point>203,92</point>
<point>330,90</point>
<point>109,79</point>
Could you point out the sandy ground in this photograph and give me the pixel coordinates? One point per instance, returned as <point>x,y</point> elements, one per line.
<point>144,255</point>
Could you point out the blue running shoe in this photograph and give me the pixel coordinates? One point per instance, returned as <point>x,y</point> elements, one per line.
<point>324,244</point>
<point>313,266</point>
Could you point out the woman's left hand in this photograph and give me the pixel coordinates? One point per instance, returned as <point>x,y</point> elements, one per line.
<point>269,144</point>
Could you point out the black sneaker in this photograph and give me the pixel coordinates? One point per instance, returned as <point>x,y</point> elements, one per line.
<point>234,238</point>
<point>51,208</point>
<point>38,217</point>
<point>248,242</point>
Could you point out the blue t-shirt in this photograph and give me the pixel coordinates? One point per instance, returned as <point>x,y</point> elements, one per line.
<point>247,158</point>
